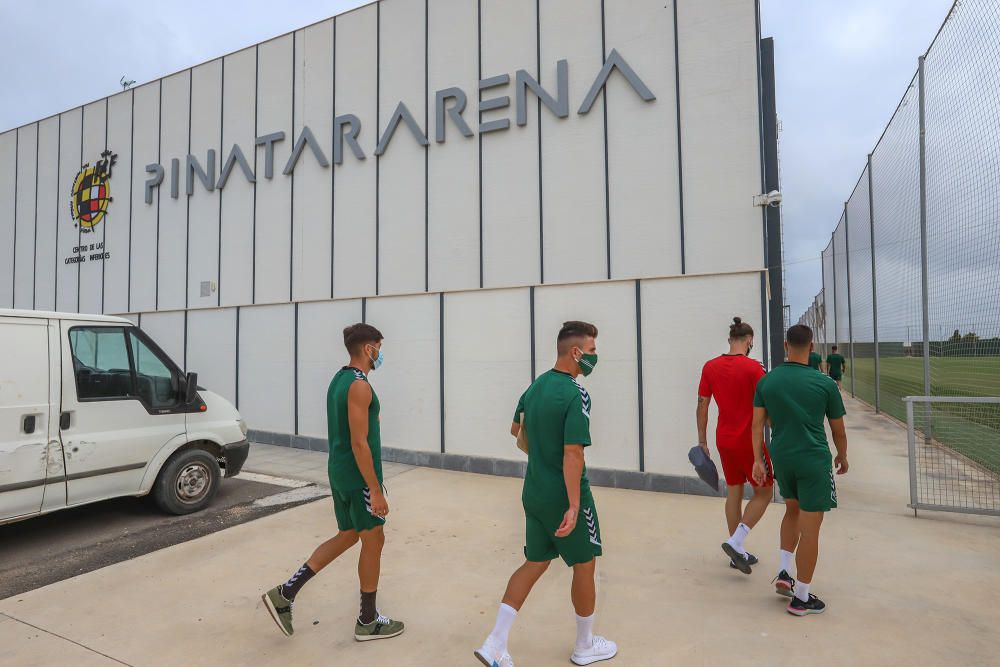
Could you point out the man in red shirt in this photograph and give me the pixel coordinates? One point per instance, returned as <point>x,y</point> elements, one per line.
<point>731,380</point>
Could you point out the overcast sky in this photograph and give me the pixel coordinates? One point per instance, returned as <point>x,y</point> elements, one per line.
<point>842,66</point>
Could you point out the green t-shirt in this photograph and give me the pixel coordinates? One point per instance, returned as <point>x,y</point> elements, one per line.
<point>343,468</point>
<point>814,360</point>
<point>556,413</point>
<point>835,362</point>
<point>797,401</point>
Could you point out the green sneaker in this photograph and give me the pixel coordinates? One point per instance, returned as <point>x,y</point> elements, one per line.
<point>381,628</point>
<point>280,609</point>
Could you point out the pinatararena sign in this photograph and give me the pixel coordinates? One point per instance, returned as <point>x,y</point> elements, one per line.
<point>450,105</point>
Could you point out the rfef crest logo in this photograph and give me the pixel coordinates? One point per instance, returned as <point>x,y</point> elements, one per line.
<point>91,192</point>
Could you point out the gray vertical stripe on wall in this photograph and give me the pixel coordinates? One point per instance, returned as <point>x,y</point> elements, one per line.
<point>538,102</point>
<point>441,363</point>
<point>638,358</point>
<point>680,151</point>
<point>291,216</point>
<point>427,158</point>
<point>479,135</point>
<point>159,159</point>
<point>607,181</point>
<point>131,178</point>
<point>13,264</point>
<point>256,133</point>
<point>378,158</point>
<point>79,229</point>
<point>187,228</point>
<point>333,181</point>
<point>222,157</point>
<point>104,230</point>
<point>55,281</point>
<point>34,250</point>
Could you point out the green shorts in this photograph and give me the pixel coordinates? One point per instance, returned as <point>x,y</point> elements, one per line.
<point>812,485</point>
<point>837,376</point>
<point>580,546</point>
<point>353,510</point>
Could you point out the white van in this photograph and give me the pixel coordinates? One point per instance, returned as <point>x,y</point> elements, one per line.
<point>91,408</point>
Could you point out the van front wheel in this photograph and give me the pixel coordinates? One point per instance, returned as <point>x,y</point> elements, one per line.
<point>188,482</point>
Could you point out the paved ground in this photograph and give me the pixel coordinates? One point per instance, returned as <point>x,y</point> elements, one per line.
<point>901,590</point>
<point>57,546</point>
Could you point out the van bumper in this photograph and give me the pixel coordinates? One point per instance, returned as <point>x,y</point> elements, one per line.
<point>236,455</point>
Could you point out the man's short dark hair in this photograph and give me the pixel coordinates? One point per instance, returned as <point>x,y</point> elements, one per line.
<point>834,348</point>
<point>358,335</point>
<point>799,336</point>
<point>572,330</point>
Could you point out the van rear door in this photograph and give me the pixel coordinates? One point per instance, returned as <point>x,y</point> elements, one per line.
<point>24,414</point>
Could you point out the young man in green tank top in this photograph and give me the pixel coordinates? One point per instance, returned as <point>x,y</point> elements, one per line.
<point>797,401</point>
<point>355,468</point>
<point>559,510</point>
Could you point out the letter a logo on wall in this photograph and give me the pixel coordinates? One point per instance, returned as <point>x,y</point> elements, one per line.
<point>91,193</point>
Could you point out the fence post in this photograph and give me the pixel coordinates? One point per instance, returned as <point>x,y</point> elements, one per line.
<point>923,243</point>
<point>850,320</point>
<point>822,275</point>
<point>911,446</point>
<point>833,262</point>
<point>871,229</point>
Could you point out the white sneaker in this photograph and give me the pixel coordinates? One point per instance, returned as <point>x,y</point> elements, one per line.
<point>486,652</point>
<point>600,649</point>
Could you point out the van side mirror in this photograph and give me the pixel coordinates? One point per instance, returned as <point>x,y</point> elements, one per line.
<point>190,388</point>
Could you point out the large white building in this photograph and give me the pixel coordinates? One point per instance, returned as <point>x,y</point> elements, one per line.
<point>454,172</point>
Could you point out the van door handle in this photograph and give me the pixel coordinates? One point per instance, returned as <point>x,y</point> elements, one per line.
<point>28,424</point>
<point>64,419</point>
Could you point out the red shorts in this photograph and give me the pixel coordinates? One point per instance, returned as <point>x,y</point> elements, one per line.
<point>737,465</point>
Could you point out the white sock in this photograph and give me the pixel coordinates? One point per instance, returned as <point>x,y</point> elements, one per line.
<point>802,591</point>
<point>505,619</point>
<point>584,631</point>
<point>786,561</point>
<point>737,538</point>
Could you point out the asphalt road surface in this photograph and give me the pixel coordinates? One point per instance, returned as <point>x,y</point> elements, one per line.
<point>57,546</point>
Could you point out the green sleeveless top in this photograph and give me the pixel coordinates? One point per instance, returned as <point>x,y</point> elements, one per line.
<point>343,468</point>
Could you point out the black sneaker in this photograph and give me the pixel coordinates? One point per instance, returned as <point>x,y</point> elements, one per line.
<point>750,559</point>
<point>799,608</point>
<point>784,584</point>
<point>736,558</point>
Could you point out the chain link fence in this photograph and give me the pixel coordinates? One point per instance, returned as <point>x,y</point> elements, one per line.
<point>911,276</point>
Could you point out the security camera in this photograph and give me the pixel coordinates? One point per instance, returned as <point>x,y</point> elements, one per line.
<point>772,198</point>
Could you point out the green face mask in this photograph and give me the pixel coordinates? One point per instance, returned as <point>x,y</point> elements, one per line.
<point>587,363</point>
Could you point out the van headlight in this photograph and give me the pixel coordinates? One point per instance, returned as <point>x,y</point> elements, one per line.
<point>243,427</point>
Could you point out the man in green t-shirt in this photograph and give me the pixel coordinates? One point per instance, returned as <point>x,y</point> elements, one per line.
<point>836,365</point>
<point>815,360</point>
<point>796,401</point>
<point>559,510</point>
<point>355,469</point>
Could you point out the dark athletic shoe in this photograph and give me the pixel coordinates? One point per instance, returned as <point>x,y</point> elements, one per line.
<point>799,608</point>
<point>381,628</point>
<point>784,584</point>
<point>750,559</point>
<point>280,609</point>
<point>736,558</point>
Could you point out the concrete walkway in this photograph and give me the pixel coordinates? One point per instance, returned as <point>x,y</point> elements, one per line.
<point>900,590</point>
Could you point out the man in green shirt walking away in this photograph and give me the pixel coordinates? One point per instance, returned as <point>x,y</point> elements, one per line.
<point>559,510</point>
<point>796,401</point>
<point>355,469</point>
<point>836,365</point>
<point>815,360</point>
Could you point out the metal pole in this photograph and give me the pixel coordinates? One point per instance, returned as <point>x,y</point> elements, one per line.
<point>833,261</point>
<point>923,234</point>
<point>871,228</point>
<point>850,320</point>
<point>911,445</point>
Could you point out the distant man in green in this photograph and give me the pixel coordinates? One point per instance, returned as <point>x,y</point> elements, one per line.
<point>836,365</point>
<point>559,510</point>
<point>796,401</point>
<point>815,360</point>
<point>355,468</point>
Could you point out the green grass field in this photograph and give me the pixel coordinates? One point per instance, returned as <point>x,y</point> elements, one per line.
<point>972,430</point>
